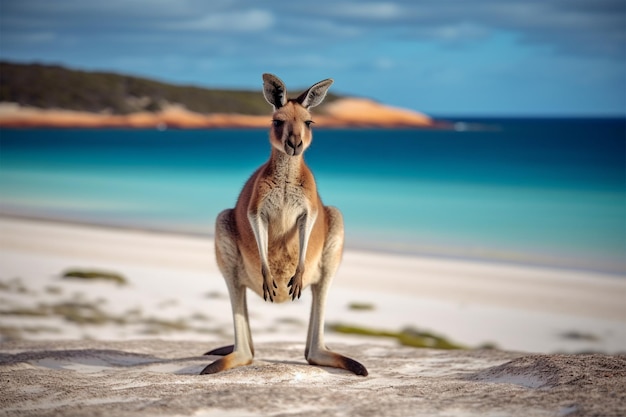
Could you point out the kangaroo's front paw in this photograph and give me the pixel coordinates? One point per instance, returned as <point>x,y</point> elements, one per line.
<point>295,285</point>
<point>269,285</point>
<point>269,290</point>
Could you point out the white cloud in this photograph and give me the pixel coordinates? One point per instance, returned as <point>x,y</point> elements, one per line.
<point>574,26</point>
<point>370,11</point>
<point>459,32</point>
<point>252,20</point>
<point>585,27</point>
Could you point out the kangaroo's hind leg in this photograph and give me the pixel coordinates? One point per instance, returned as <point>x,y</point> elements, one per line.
<point>229,262</point>
<point>316,352</point>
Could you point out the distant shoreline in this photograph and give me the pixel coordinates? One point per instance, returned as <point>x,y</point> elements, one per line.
<point>362,246</point>
<point>343,113</point>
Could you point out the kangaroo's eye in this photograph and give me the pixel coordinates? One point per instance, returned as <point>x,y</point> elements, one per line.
<point>308,123</point>
<point>277,123</point>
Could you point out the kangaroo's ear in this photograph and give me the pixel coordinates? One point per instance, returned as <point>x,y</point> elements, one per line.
<point>315,94</point>
<point>274,91</point>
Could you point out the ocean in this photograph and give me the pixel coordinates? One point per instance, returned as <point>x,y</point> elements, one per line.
<point>535,191</point>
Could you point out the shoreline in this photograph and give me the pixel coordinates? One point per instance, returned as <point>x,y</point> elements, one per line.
<point>343,113</point>
<point>364,246</point>
<point>174,282</point>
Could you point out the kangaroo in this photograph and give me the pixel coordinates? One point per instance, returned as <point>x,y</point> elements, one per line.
<point>280,238</point>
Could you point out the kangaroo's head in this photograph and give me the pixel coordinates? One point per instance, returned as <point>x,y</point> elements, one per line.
<point>291,122</point>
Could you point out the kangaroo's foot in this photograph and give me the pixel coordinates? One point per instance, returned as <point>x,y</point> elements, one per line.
<point>230,361</point>
<point>221,351</point>
<point>325,357</point>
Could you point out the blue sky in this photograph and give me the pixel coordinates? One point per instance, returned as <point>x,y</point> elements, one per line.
<point>442,57</point>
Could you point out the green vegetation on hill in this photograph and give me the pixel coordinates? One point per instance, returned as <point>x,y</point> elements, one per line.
<point>47,86</point>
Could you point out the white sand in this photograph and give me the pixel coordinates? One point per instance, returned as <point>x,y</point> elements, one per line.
<point>161,378</point>
<point>175,279</point>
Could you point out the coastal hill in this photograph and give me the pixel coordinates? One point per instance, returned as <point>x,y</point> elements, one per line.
<point>34,95</point>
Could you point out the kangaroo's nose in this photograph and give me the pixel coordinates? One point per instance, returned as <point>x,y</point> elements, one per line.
<point>294,146</point>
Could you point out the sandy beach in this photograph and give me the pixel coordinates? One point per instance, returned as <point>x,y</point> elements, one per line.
<point>160,378</point>
<point>132,345</point>
<point>173,280</point>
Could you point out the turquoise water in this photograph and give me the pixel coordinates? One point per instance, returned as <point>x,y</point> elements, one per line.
<point>545,191</point>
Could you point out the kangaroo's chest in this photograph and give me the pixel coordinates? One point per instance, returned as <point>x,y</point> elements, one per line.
<point>282,206</point>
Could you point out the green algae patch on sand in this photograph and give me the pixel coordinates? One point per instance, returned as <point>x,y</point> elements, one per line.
<point>407,337</point>
<point>95,275</point>
<point>357,306</point>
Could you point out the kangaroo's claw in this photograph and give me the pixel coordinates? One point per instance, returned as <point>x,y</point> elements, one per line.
<point>268,292</point>
<point>295,286</point>
<point>221,351</point>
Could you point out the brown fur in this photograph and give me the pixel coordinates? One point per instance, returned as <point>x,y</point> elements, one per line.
<point>280,238</point>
